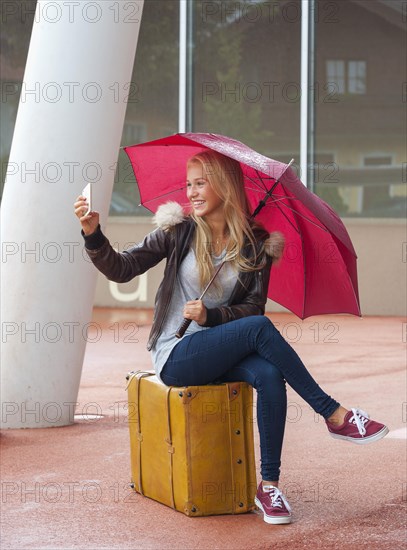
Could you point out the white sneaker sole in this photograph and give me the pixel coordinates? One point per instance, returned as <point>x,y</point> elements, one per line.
<point>273,520</point>
<point>362,440</point>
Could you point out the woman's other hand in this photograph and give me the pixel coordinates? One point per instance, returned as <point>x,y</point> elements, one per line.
<point>89,222</point>
<point>196,311</point>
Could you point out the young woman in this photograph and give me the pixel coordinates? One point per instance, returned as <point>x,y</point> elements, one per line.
<point>229,339</point>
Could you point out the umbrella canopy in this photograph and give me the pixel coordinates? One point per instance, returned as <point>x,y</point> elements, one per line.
<point>317,274</point>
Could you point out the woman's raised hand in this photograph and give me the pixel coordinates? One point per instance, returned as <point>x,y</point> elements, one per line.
<point>89,222</point>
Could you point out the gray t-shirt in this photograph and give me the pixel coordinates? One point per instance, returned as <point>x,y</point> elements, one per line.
<point>187,288</point>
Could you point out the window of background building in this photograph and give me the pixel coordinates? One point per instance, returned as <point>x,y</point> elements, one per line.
<point>346,76</point>
<point>378,160</point>
<point>335,76</point>
<point>356,77</point>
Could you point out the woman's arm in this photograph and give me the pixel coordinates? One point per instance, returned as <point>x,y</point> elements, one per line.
<point>121,267</point>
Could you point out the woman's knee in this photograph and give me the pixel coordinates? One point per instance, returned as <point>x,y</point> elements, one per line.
<point>256,323</point>
<point>260,320</point>
<point>263,330</point>
<point>269,376</point>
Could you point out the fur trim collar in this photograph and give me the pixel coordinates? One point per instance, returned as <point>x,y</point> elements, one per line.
<point>274,245</point>
<point>168,215</point>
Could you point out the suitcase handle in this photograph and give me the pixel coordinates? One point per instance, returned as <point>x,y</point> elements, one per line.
<point>139,373</point>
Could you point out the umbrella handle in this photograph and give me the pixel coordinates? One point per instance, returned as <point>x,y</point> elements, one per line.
<point>186,322</point>
<point>183,327</point>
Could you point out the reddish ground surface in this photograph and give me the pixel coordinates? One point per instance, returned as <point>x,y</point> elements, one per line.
<point>67,488</point>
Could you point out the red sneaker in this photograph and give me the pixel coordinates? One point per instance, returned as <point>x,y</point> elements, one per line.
<point>358,428</point>
<point>273,504</point>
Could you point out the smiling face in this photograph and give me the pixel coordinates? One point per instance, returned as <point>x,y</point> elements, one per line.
<point>205,202</point>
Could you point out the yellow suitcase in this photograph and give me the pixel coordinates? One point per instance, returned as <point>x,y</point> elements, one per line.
<point>192,447</point>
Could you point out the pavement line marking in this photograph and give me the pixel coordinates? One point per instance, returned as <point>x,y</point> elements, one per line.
<point>88,416</point>
<point>401,433</point>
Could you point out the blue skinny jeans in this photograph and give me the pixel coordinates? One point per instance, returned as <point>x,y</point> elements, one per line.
<point>250,350</point>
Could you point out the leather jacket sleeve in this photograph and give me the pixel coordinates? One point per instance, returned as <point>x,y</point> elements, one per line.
<point>121,267</point>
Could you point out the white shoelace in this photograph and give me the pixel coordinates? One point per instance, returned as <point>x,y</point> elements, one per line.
<point>359,418</point>
<point>276,496</point>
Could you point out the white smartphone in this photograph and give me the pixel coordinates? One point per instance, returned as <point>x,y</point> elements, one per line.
<point>87,193</point>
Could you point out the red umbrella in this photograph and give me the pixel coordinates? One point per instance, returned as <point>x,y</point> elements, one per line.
<point>317,274</point>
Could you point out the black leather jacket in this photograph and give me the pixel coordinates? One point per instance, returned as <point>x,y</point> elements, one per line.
<point>248,297</point>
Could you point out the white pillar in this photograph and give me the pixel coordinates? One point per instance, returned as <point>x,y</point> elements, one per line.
<point>68,130</point>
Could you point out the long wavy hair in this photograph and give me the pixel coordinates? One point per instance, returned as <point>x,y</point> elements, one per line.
<point>226,178</point>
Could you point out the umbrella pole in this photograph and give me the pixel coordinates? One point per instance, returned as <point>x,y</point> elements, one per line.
<point>262,203</point>
<point>186,322</point>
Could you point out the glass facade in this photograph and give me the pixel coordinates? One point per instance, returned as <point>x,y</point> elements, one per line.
<point>15,25</point>
<point>152,110</point>
<point>246,74</point>
<point>244,80</point>
<point>360,107</point>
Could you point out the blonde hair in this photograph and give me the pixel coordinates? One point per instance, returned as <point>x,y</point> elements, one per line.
<point>225,176</point>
